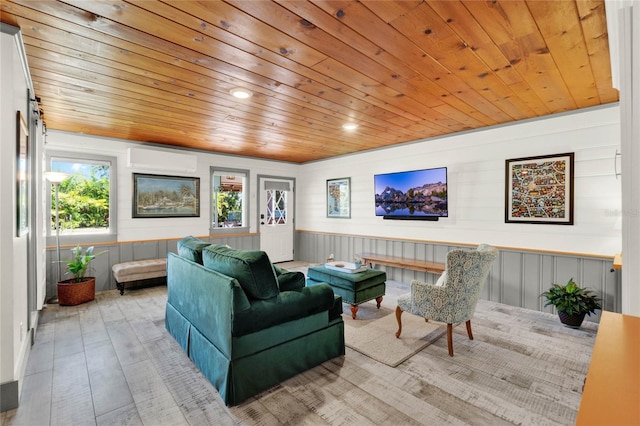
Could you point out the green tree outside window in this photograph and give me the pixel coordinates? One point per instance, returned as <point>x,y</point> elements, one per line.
<point>83,200</point>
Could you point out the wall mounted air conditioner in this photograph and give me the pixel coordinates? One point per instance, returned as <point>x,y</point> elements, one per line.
<point>161,161</point>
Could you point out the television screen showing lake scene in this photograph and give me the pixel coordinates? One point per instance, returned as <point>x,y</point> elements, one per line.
<point>412,194</point>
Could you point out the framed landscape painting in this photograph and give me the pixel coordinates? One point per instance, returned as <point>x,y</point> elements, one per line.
<point>339,198</point>
<point>165,196</point>
<point>540,190</point>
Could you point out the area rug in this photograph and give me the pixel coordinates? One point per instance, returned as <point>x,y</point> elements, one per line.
<point>373,334</point>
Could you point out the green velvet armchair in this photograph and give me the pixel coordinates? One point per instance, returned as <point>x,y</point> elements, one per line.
<point>454,297</point>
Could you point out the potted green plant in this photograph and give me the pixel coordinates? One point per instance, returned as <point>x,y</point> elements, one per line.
<point>80,288</point>
<point>572,302</point>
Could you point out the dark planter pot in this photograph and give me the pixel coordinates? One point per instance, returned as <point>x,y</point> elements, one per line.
<point>573,321</point>
<point>71,293</point>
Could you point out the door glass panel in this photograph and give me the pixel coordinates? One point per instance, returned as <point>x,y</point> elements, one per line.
<point>276,207</point>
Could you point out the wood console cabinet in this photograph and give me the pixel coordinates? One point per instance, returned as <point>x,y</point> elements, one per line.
<point>611,393</point>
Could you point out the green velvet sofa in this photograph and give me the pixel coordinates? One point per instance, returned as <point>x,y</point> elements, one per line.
<point>245,323</point>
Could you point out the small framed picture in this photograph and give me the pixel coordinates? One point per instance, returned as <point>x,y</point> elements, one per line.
<point>540,189</point>
<point>165,196</point>
<point>339,198</point>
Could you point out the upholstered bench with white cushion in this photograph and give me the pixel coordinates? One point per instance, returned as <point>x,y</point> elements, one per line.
<point>138,270</point>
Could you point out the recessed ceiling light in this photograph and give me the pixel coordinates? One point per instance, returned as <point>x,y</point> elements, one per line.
<point>350,126</point>
<point>241,93</point>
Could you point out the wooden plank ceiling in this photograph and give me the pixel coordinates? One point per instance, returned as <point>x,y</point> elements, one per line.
<point>161,71</point>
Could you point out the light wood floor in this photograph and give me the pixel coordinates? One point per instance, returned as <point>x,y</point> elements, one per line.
<point>111,362</point>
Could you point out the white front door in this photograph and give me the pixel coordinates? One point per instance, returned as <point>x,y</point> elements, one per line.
<point>276,218</point>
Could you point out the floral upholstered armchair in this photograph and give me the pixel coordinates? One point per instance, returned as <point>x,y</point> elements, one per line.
<point>454,297</point>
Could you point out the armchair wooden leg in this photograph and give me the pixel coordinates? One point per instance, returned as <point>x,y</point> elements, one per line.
<point>450,338</point>
<point>398,315</point>
<point>469,330</point>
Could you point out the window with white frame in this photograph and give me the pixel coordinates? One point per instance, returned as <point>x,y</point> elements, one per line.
<point>229,198</point>
<point>86,198</point>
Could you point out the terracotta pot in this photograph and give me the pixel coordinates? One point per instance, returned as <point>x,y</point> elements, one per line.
<point>573,321</point>
<point>71,293</point>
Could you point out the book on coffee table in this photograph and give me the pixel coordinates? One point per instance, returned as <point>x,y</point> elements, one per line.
<point>348,267</point>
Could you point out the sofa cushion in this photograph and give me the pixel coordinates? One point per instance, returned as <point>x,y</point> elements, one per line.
<point>279,270</point>
<point>191,248</point>
<point>291,281</point>
<point>288,306</point>
<point>251,268</point>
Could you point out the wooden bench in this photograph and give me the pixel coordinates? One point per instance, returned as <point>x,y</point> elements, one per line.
<point>401,262</point>
<point>138,270</point>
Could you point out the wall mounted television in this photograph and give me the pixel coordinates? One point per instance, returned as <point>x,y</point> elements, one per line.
<point>412,195</point>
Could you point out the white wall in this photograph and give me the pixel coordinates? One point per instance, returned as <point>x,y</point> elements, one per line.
<point>130,229</point>
<point>623,24</point>
<point>476,168</point>
<point>13,250</point>
<point>476,175</point>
